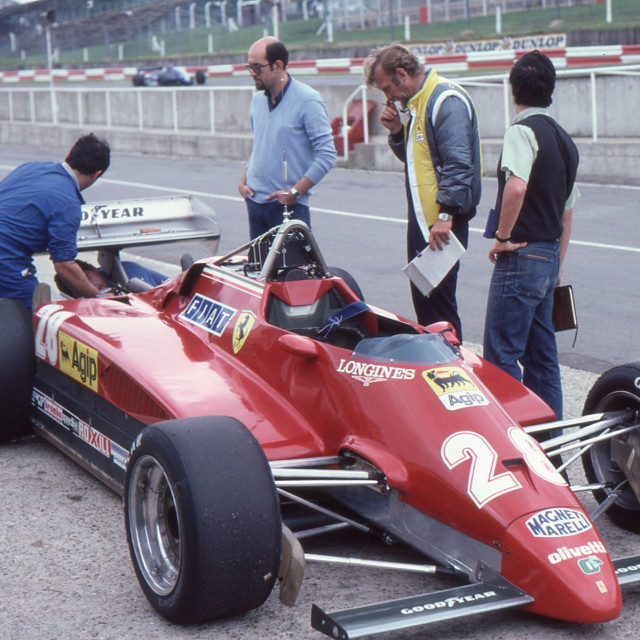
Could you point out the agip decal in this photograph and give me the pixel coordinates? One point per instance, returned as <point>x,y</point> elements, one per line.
<point>78,361</point>
<point>242,329</point>
<point>454,388</point>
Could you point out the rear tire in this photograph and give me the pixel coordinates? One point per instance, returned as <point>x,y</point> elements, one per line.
<point>16,369</point>
<point>616,389</point>
<point>202,518</point>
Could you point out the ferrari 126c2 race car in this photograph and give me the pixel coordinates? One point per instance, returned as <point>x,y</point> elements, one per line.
<point>255,399</point>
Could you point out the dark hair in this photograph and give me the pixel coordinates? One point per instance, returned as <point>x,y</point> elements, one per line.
<point>86,266</point>
<point>390,58</point>
<point>89,154</point>
<point>277,51</point>
<point>533,79</point>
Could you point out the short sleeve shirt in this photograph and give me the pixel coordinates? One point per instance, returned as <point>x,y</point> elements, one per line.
<point>520,149</point>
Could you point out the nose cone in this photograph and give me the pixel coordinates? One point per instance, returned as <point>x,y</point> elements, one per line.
<point>557,557</point>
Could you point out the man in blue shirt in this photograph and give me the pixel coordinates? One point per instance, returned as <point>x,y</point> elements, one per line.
<point>290,124</point>
<point>40,210</point>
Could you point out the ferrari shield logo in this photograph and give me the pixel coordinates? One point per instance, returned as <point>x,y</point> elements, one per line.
<point>454,388</point>
<point>241,331</point>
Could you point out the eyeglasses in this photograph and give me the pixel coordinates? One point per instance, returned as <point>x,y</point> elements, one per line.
<point>256,67</point>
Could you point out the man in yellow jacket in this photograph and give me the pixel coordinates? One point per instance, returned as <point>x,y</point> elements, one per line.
<point>438,141</point>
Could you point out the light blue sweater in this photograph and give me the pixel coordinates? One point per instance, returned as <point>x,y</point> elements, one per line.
<point>299,127</point>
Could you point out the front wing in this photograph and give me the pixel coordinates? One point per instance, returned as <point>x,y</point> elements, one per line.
<point>477,597</point>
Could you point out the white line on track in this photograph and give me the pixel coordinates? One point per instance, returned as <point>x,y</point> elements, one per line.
<point>365,216</point>
<point>352,214</point>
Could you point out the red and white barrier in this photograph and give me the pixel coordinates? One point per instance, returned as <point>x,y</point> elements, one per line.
<point>448,63</point>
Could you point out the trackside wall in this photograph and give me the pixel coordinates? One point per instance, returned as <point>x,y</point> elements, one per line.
<point>213,121</point>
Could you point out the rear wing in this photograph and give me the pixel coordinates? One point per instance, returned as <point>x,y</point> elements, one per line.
<point>119,224</point>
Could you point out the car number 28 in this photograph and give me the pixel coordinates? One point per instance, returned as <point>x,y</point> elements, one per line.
<point>485,483</point>
<point>46,338</point>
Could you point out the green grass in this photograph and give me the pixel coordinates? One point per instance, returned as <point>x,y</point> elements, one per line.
<point>303,34</point>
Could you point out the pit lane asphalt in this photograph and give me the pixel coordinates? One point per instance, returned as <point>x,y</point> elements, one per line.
<point>65,569</point>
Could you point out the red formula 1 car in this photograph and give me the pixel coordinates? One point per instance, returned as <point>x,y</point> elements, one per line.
<point>255,399</point>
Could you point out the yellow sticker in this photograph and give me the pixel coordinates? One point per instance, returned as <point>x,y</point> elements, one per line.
<point>602,587</point>
<point>241,331</point>
<point>454,388</point>
<point>78,361</point>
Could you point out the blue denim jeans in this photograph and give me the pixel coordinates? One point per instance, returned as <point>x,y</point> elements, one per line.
<point>267,215</point>
<point>518,330</point>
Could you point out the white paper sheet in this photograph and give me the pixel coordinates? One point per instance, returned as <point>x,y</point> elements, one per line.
<point>428,268</point>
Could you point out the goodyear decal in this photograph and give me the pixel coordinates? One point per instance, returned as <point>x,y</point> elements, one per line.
<point>78,361</point>
<point>241,331</point>
<point>558,523</point>
<point>454,388</point>
<point>451,603</point>
<point>210,315</point>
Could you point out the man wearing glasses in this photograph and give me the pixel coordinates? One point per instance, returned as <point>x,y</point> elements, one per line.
<point>292,143</point>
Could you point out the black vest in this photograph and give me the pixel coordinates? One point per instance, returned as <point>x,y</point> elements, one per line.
<point>550,183</point>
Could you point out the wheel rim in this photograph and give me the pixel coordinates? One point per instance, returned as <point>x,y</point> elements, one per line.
<point>605,468</point>
<point>154,525</point>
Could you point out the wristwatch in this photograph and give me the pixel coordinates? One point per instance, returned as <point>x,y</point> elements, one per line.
<point>499,239</point>
<point>445,217</point>
<point>295,193</point>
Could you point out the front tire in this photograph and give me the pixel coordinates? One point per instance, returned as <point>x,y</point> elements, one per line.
<point>616,389</point>
<point>16,369</point>
<point>202,518</point>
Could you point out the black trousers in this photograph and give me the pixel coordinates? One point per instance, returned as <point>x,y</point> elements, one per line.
<point>441,304</point>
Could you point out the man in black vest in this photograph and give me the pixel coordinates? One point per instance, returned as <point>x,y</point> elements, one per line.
<point>532,224</point>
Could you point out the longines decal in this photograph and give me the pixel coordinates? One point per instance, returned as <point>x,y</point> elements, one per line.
<point>367,372</point>
<point>211,315</point>
<point>454,388</point>
<point>78,361</point>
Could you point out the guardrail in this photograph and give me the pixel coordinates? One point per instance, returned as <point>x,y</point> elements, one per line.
<point>174,109</point>
<point>580,105</point>
<point>591,103</point>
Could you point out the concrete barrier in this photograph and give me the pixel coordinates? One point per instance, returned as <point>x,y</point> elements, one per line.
<point>213,121</point>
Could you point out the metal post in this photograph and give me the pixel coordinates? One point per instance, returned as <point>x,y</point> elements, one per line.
<point>594,108</point>
<point>54,103</point>
<point>275,17</point>
<point>506,96</point>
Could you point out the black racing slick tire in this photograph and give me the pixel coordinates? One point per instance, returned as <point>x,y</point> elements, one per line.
<point>202,518</point>
<point>616,389</point>
<point>17,369</point>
